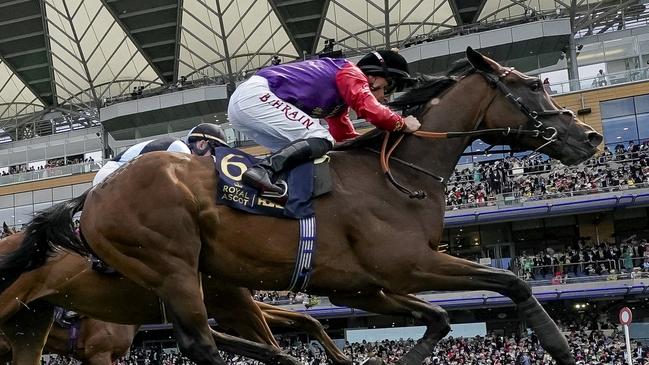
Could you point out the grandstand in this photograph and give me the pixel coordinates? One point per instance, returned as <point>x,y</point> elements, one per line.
<point>82,80</point>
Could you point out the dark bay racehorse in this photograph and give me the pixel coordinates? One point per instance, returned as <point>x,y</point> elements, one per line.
<point>67,280</point>
<point>96,342</point>
<point>157,221</point>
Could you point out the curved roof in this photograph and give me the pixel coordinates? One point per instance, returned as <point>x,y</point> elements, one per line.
<point>55,53</point>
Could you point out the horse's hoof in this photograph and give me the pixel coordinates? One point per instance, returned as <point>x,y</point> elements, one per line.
<point>374,361</point>
<point>282,359</point>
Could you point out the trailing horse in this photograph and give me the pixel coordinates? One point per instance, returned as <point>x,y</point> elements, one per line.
<point>67,280</point>
<point>157,221</point>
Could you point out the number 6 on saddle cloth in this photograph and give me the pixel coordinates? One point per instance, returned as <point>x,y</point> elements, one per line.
<point>303,183</point>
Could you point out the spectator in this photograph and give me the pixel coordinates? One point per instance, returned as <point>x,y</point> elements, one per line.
<point>546,85</point>
<point>600,78</point>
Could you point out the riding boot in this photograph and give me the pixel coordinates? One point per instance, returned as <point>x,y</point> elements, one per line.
<point>261,176</point>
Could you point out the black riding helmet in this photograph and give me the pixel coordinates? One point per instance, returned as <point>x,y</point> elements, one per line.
<point>207,132</point>
<point>388,64</point>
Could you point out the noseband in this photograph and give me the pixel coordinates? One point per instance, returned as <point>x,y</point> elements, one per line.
<point>536,129</point>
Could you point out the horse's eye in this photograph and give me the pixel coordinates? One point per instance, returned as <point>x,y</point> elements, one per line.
<point>535,86</point>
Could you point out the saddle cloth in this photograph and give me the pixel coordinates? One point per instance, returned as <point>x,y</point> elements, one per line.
<point>303,183</point>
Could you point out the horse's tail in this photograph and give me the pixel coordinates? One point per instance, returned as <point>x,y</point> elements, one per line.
<point>48,229</point>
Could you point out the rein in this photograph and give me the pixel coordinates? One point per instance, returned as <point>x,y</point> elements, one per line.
<point>538,130</point>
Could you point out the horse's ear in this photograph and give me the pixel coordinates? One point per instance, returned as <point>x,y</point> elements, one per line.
<point>478,60</point>
<point>5,227</point>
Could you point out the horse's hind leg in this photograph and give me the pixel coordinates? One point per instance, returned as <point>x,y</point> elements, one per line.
<point>439,271</point>
<point>27,332</point>
<point>434,317</point>
<point>276,316</point>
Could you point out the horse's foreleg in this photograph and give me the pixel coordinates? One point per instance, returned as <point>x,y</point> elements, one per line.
<point>439,271</point>
<point>434,317</point>
<point>276,316</point>
<point>27,332</point>
<point>265,353</point>
<point>182,297</point>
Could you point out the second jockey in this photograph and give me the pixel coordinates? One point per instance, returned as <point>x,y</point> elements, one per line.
<point>201,141</point>
<point>279,108</point>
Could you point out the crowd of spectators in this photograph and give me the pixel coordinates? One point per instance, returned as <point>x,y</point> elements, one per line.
<point>584,259</point>
<point>600,346</point>
<point>535,178</point>
<point>49,164</point>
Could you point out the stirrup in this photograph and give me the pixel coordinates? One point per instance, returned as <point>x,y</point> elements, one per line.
<point>275,196</point>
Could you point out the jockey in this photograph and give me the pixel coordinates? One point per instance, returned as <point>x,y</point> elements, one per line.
<point>201,141</point>
<point>278,107</point>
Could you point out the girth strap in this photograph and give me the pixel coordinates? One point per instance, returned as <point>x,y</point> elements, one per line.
<point>305,254</point>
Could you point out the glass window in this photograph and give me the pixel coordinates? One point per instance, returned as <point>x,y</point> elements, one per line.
<point>643,126</point>
<point>641,104</point>
<point>621,129</point>
<point>24,214</point>
<point>23,198</point>
<point>7,216</point>
<point>617,108</point>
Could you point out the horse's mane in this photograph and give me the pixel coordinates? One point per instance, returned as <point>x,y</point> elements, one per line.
<point>415,98</point>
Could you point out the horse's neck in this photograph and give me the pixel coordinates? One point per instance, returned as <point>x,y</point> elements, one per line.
<point>458,110</point>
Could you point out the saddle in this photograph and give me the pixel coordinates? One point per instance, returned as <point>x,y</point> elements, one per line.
<point>303,183</point>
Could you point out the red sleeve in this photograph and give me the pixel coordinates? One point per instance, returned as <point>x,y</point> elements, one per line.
<point>341,127</point>
<point>355,90</point>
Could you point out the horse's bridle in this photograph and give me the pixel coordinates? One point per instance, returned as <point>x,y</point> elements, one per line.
<point>536,130</point>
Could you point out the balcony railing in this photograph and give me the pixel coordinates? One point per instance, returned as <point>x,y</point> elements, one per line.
<point>51,172</point>
<point>594,82</point>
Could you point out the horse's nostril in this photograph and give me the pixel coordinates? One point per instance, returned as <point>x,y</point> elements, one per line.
<point>593,138</point>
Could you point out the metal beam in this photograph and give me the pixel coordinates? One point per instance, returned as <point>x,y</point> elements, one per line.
<point>323,15</point>
<point>160,43</point>
<point>22,36</point>
<point>46,33</point>
<point>137,45</point>
<point>19,20</point>
<point>206,26</point>
<point>32,67</point>
<point>153,27</point>
<point>386,13</point>
<point>585,23</point>
<point>201,41</point>
<point>107,61</point>
<point>210,64</point>
<point>425,20</point>
<point>91,22</point>
<point>282,21</point>
<point>298,19</point>
<point>293,2</point>
<point>179,20</point>
<point>412,10</point>
<point>349,33</point>
<point>226,51</point>
<point>241,17</point>
<point>370,25</point>
<point>15,2</point>
<point>101,40</point>
<point>24,53</point>
<point>304,35</point>
<point>145,11</point>
<point>259,49</point>
<point>245,40</point>
<point>23,80</point>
